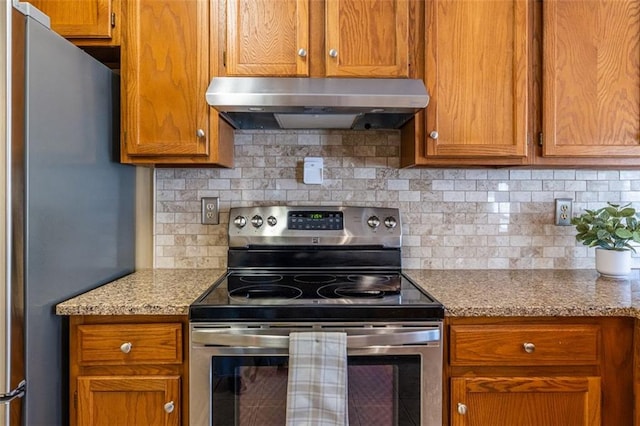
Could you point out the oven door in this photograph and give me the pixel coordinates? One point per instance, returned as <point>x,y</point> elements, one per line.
<point>238,373</point>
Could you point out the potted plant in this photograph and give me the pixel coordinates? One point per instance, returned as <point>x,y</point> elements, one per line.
<point>610,229</point>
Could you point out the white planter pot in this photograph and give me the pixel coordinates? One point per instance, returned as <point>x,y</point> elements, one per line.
<point>613,263</point>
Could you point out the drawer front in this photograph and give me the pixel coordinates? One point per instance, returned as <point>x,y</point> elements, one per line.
<point>524,345</point>
<point>129,344</point>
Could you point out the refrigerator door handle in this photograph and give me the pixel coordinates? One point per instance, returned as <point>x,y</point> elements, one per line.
<point>18,392</point>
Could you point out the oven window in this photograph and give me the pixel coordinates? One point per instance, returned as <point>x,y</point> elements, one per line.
<point>252,390</point>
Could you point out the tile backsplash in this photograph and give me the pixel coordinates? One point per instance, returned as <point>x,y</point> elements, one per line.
<point>451,218</point>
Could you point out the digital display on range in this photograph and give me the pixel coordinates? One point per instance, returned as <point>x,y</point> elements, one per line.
<point>315,220</point>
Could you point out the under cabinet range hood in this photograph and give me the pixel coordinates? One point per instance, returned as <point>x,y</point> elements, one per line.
<point>273,103</point>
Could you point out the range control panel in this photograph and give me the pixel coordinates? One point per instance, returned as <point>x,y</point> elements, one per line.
<point>320,220</point>
<point>305,225</point>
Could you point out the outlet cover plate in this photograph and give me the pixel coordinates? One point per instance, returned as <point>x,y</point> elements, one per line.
<point>564,210</point>
<point>210,211</point>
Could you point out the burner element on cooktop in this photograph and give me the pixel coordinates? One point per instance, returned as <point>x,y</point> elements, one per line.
<point>260,278</point>
<point>362,286</point>
<point>265,291</point>
<point>313,287</point>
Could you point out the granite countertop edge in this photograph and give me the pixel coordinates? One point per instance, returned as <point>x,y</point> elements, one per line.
<point>464,293</point>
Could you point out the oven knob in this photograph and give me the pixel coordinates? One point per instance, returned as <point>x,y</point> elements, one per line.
<point>373,222</point>
<point>257,221</point>
<point>240,221</point>
<point>272,221</point>
<point>390,222</point>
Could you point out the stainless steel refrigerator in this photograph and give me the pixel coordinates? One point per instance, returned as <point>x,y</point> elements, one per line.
<point>70,227</point>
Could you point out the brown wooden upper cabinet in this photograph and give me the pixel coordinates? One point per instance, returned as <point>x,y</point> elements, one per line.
<point>356,38</point>
<point>266,37</point>
<point>477,57</point>
<point>85,22</point>
<point>591,80</point>
<point>165,74</point>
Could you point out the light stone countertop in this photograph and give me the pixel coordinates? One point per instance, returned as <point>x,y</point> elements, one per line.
<point>533,292</point>
<point>144,292</point>
<point>538,292</point>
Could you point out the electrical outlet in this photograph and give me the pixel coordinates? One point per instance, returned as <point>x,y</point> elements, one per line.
<point>210,214</point>
<point>564,209</point>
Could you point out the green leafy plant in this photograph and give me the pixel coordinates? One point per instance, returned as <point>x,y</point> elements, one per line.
<point>612,227</point>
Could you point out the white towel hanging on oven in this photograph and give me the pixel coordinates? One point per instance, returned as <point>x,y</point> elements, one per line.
<point>317,381</point>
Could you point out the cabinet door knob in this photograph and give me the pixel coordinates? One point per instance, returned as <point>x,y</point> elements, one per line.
<point>462,409</point>
<point>529,347</point>
<point>126,347</point>
<point>434,135</point>
<point>200,133</point>
<point>302,52</point>
<point>333,53</point>
<point>169,406</point>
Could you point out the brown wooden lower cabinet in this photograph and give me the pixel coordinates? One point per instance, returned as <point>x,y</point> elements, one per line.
<point>525,401</point>
<point>133,370</point>
<point>551,371</point>
<point>128,370</point>
<point>127,400</point>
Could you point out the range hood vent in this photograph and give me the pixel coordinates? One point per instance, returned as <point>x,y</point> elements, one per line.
<point>273,103</point>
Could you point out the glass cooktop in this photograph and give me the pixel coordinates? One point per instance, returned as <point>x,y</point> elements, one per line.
<point>313,295</point>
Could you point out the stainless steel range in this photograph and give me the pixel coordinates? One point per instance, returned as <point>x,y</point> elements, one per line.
<point>315,268</point>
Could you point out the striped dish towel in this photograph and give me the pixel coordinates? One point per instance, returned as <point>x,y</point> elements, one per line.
<point>317,382</point>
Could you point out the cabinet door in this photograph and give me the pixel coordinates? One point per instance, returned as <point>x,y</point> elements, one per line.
<point>165,74</point>
<point>591,78</point>
<point>129,400</point>
<point>79,18</point>
<point>367,38</point>
<point>266,37</point>
<point>476,74</point>
<point>525,401</point>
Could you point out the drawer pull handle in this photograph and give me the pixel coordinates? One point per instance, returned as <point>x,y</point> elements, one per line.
<point>462,409</point>
<point>168,407</point>
<point>126,347</point>
<point>529,347</point>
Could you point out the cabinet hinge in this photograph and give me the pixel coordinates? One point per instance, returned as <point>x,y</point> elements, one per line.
<point>540,138</point>
<point>224,59</point>
<point>113,19</point>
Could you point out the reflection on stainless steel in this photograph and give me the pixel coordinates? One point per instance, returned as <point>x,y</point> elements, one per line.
<point>357,231</point>
<point>258,102</point>
<point>314,279</point>
<point>357,337</point>
<point>369,279</point>
<point>357,290</point>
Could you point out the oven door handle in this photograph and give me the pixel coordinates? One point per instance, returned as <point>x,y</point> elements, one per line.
<point>238,338</point>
